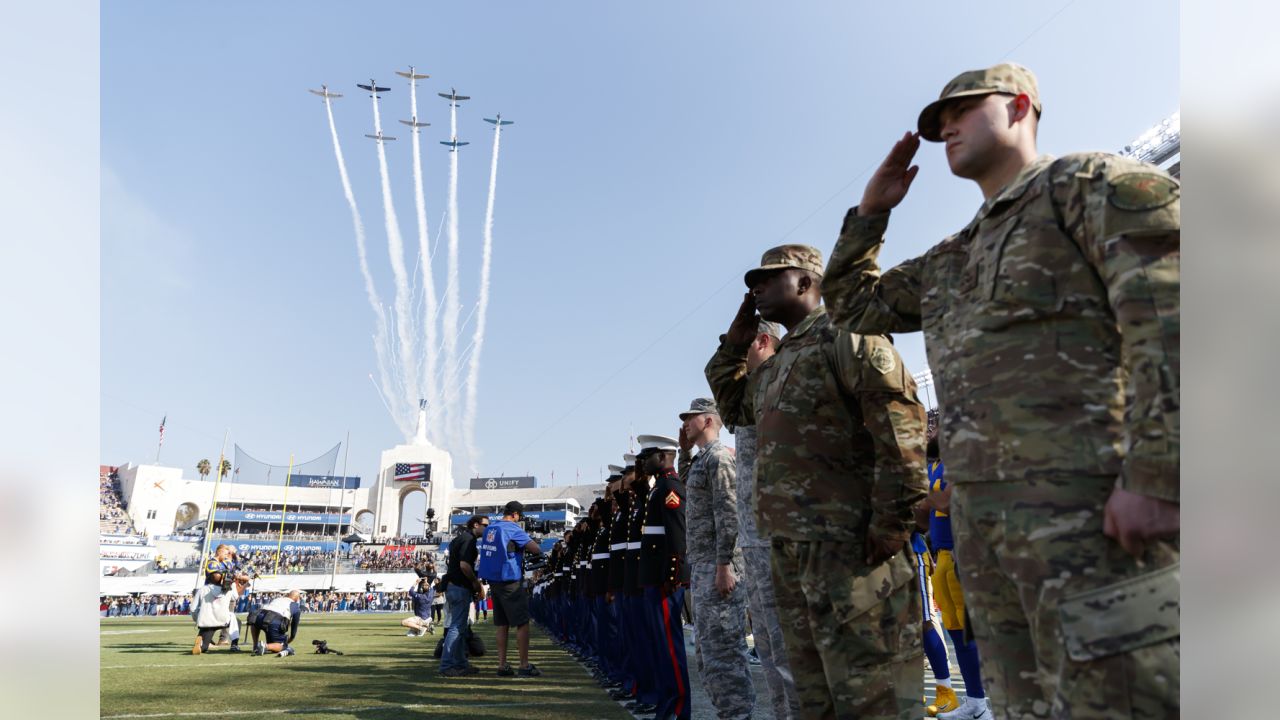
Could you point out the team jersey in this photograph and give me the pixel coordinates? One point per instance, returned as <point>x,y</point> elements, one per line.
<point>939,522</point>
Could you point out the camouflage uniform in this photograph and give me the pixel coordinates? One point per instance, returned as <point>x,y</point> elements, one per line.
<point>720,623</point>
<point>840,457</point>
<point>1052,327</point>
<point>757,576</point>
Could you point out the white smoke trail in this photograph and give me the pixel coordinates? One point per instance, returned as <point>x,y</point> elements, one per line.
<point>424,259</point>
<point>473,372</point>
<point>380,334</point>
<point>451,305</point>
<point>395,248</point>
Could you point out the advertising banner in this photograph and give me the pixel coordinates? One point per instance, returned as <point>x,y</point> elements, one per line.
<point>503,483</point>
<point>268,516</point>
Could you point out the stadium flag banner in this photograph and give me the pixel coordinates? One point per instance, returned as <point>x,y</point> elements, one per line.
<point>503,483</point>
<point>273,516</point>
<point>420,472</point>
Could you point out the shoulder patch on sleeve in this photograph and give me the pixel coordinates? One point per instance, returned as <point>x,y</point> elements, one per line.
<point>882,360</point>
<point>1141,191</point>
<point>673,500</point>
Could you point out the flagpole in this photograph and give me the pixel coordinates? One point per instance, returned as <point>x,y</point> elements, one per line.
<point>283,511</point>
<point>161,443</point>
<point>346,451</point>
<point>213,506</point>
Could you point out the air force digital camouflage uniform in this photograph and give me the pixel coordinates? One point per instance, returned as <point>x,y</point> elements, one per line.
<point>1052,327</point>
<point>841,441</point>
<point>766,628</point>
<point>720,623</point>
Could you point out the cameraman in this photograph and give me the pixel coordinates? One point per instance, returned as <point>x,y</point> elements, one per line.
<point>421,596</point>
<point>279,620</point>
<point>501,563</point>
<point>461,586</point>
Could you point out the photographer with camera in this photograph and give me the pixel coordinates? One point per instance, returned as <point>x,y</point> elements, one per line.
<point>502,552</point>
<point>212,609</point>
<point>279,620</point>
<point>461,586</point>
<point>421,595</point>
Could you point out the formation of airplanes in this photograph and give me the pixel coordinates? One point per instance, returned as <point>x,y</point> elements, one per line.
<point>452,96</point>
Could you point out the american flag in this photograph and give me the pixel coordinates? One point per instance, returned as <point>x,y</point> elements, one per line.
<point>162,420</point>
<point>411,471</point>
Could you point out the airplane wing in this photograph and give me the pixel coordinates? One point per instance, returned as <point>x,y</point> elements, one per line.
<point>412,76</point>
<point>316,92</point>
<point>382,89</point>
<point>464,97</point>
<point>375,137</point>
<point>387,137</point>
<point>365,87</point>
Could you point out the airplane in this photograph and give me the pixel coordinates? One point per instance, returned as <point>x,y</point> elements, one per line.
<point>453,97</point>
<point>379,137</point>
<point>414,123</point>
<point>453,144</point>
<point>499,121</point>
<point>411,75</point>
<point>324,92</point>
<point>373,88</point>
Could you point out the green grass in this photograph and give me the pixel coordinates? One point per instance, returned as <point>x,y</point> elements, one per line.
<point>147,669</point>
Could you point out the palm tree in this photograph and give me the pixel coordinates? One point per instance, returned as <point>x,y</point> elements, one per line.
<point>225,468</point>
<point>203,467</point>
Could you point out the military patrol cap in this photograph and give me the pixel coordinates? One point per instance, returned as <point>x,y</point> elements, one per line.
<point>701,406</point>
<point>615,468</point>
<point>782,257</point>
<point>772,329</point>
<point>657,443</point>
<point>1008,78</point>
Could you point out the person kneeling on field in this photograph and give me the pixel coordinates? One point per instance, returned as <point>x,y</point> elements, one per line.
<point>279,620</point>
<point>422,594</point>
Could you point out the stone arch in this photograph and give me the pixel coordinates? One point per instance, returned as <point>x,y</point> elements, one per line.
<point>410,523</point>
<point>363,522</point>
<point>187,514</point>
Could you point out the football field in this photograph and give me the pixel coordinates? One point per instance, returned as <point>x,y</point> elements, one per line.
<point>148,671</point>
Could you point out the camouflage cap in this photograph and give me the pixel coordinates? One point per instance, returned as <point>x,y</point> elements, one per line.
<point>782,257</point>
<point>1008,78</point>
<point>700,406</point>
<point>772,329</point>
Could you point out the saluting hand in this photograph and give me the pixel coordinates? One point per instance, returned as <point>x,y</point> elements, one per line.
<point>685,443</point>
<point>890,182</point>
<point>745,324</point>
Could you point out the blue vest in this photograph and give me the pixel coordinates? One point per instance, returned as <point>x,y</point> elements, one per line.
<point>501,551</point>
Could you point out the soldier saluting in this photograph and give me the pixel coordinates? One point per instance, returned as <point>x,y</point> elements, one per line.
<point>840,465</point>
<point>1052,325</point>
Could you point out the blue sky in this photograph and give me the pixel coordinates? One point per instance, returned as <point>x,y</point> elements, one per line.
<point>658,150</point>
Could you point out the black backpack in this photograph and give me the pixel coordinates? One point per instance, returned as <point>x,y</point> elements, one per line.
<point>473,646</point>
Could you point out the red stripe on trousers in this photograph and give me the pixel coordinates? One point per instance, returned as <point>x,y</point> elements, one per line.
<point>671,650</point>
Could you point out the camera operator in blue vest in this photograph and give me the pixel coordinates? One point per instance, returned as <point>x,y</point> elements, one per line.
<point>502,548</point>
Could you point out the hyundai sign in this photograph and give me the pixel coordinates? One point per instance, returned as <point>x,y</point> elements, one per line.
<point>268,516</point>
<point>325,481</point>
<point>503,483</point>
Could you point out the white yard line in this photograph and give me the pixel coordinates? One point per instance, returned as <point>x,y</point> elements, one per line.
<point>308,711</point>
